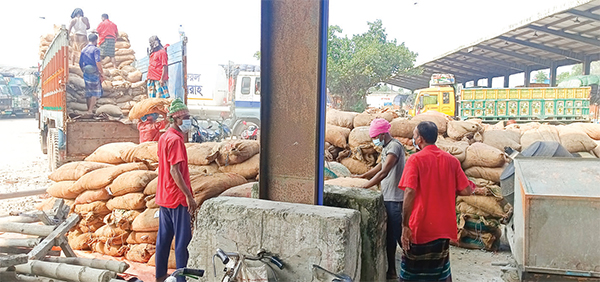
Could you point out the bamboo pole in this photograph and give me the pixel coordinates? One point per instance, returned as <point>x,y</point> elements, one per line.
<point>65,271</point>
<point>26,228</point>
<point>112,265</point>
<point>26,278</point>
<point>19,218</point>
<point>18,242</point>
<point>22,194</point>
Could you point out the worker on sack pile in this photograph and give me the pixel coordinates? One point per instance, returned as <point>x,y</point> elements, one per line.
<point>108,34</point>
<point>388,173</point>
<point>80,25</point>
<point>174,193</point>
<point>431,180</point>
<point>93,75</point>
<point>158,69</point>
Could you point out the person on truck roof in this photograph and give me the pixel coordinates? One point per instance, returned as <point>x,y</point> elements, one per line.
<point>107,34</point>
<point>93,75</point>
<point>158,69</point>
<point>79,24</point>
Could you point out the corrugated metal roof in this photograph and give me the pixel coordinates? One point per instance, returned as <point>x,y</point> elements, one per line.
<point>565,35</point>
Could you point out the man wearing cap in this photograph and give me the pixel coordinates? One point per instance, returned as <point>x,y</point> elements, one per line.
<point>158,69</point>
<point>388,173</point>
<point>174,193</point>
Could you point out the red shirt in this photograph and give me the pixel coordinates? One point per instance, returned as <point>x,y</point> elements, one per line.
<point>435,176</point>
<point>171,150</point>
<point>158,59</point>
<point>106,29</point>
<point>150,131</point>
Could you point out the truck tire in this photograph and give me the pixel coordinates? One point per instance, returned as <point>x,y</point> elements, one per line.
<point>237,131</point>
<point>53,153</point>
<point>44,141</point>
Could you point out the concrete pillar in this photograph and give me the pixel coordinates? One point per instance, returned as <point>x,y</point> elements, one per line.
<point>489,82</point>
<point>506,80</point>
<point>586,66</point>
<point>293,64</point>
<point>527,77</point>
<point>553,69</point>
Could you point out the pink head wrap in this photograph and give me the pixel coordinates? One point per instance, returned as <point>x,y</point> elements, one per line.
<point>379,126</point>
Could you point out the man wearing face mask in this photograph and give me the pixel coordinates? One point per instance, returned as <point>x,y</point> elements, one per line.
<point>388,173</point>
<point>158,69</point>
<point>431,180</point>
<point>174,193</point>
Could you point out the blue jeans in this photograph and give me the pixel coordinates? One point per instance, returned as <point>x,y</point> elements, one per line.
<point>173,222</point>
<point>394,232</point>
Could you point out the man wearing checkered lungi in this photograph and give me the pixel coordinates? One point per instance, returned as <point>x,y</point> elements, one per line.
<point>158,69</point>
<point>107,37</point>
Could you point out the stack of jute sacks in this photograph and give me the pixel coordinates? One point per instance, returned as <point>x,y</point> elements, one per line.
<point>113,190</point>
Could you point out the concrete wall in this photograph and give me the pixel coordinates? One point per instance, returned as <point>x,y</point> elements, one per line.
<point>301,235</point>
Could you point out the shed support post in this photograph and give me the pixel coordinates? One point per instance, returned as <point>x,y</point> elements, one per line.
<point>506,80</point>
<point>586,65</point>
<point>489,82</point>
<point>553,69</point>
<point>293,92</point>
<point>527,77</point>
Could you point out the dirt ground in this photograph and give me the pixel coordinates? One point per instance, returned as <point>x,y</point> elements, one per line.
<point>23,167</point>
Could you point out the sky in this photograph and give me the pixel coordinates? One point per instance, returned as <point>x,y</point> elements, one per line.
<point>219,31</point>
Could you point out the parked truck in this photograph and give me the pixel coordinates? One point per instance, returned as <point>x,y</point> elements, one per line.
<point>496,104</point>
<point>23,101</point>
<point>5,99</point>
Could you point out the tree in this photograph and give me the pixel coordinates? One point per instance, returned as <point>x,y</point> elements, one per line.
<point>257,55</point>
<point>541,77</point>
<point>562,77</point>
<point>358,63</point>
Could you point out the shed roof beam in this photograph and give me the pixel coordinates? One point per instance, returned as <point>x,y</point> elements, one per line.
<point>475,71</point>
<point>569,54</point>
<point>571,36</point>
<point>583,14</point>
<point>532,59</point>
<point>495,62</point>
<point>454,69</point>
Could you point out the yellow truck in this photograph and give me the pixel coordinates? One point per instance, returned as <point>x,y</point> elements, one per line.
<point>495,104</point>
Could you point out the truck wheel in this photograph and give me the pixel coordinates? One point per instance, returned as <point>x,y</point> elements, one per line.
<point>53,153</point>
<point>44,141</point>
<point>240,127</point>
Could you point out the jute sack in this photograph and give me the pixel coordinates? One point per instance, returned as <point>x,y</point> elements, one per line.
<point>240,191</point>
<point>121,218</point>
<point>489,205</point>
<point>79,241</point>
<point>145,152</point>
<point>337,135</point>
<point>131,182</point>
<point>110,153</point>
<point>76,70</point>
<point>489,173</point>
<point>480,154</point>
<point>389,116</point>
<point>248,169</point>
<point>131,201</point>
<point>171,264</point>
<point>93,196</point>
<point>109,249</point>
<point>75,170</point>
<point>403,127</point>
<point>542,133</point>
<point>134,76</point>
<point>146,221</point>
<point>204,169</point>
<point>591,129</point>
<point>502,138</point>
<point>97,208</point>
<point>111,110</point>
<point>209,186</point>
<point>363,119</point>
<point>335,170</point>
<point>340,118</point>
<point>122,45</point>
<point>111,235</point>
<point>151,187</point>
<point>441,120</point>
<point>359,139</point>
<point>575,139</point>
<point>140,252</point>
<point>101,178</point>
<point>151,202</point>
<point>122,58</point>
<point>122,52</point>
<point>76,81</point>
<point>61,190</point>
<point>234,152</point>
<point>90,222</point>
<point>458,130</point>
<point>136,237</point>
<point>148,106</point>
<point>48,204</point>
<point>355,166</point>
<point>456,148</point>
<point>198,153</point>
<point>465,208</point>
<point>486,188</point>
<point>349,182</point>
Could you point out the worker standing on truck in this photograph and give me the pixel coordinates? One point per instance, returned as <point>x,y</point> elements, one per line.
<point>80,25</point>
<point>174,192</point>
<point>158,69</point>
<point>93,75</point>
<point>108,34</point>
<point>431,180</point>
<point>388,173</point>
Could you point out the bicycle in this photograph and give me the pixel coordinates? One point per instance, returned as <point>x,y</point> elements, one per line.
<point>237,270</point>
<point>324,275</point>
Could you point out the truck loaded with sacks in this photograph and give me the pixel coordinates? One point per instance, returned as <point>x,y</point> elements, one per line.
<point>67,133</point>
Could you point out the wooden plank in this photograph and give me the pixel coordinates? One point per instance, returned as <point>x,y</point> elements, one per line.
<point>11,260</point>
<point>20,242</point>
<point>19,218</point>
<point>26,228</point>
<point>22,194</point>
<point>65,247</point>
<point>40,250</point>
<point>112,265</point>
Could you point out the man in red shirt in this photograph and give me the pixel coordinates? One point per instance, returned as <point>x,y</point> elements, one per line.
<point>107,37</point>
<point>158,69</point>
<point>174,193</point>
<point>430,181</point>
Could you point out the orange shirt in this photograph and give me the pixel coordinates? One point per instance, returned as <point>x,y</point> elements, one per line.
<point>150,131</point>
<point>435,176</point>
<point>157,60</point>
<point>106,29</point>
<point>171,151</point>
